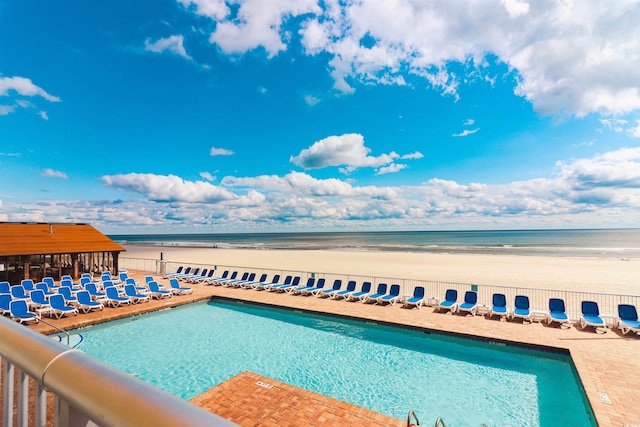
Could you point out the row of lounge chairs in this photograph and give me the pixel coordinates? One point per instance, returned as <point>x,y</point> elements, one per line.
<point>29,301</point>
<point>384,294</point>
<point>590,313</point>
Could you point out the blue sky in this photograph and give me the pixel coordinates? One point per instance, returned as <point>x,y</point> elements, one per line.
<point>254,115</point>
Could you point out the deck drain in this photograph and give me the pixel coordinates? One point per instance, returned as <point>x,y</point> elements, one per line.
<point>604,398</point>
<point>263,384</point>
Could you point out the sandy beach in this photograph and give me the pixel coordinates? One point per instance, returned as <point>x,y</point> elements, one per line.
<point>604,275</point>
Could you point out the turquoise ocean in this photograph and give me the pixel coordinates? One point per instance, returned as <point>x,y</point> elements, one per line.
<point>601,243</point>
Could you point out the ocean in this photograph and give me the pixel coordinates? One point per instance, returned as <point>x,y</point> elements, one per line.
<point>601,243</point>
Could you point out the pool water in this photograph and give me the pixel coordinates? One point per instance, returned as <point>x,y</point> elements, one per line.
<point>190,349</point>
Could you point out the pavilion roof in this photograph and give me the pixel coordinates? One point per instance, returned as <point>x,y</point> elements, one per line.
<point>52,238</point>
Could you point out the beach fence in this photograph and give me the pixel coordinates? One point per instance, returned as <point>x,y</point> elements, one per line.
<point>434,290</point>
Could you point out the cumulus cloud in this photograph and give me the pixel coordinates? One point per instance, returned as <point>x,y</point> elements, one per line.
<point>571,58</point>
<point>25,87</point>
<point>7,109</point>
<point>220,152</point>
<point>603,190</point>
<point>346,150</point>
<point>635,131</point>
<point>172,44</point>
<point>168,188</point>
<point>392,168</point>
<point>53,173</point>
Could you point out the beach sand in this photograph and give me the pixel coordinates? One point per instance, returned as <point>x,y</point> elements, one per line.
<point>602,275</point>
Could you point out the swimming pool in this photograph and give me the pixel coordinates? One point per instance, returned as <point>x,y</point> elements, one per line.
<point>188,350</point>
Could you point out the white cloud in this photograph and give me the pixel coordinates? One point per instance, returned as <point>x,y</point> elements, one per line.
<point>53,173</point>
<point>344,150</point>
<point>516,8</point>
<point>466,132</point>
<point>7,109</point>
<point>311,100</point>
<point>411,156</point>
<point>207,176</point>
<point>43,115</point>
<point>259,24</point>
<point>600,191</point>
<point>10,154</point>
<point>469,122</point>
<point>172,44</point>
<point>25,87</point>
<point>575,58</point>
<point>392,168</point>
<point>220,152</point>
<point>216,9</point>
<point>635,131</point>
<point>168,188</point>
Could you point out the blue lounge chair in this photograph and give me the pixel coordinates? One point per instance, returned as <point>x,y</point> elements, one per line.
<point>177,272</point>
<point>417,299</point>
<point>351,287</point>
<point>380,292</point>
<point>5,288</point>
<point>557,312</point>
<point>499,306</point>
<point>591,316</point>
<point>391,297</point>
<point>28,285</point>
<point>245,279</point>
<point>315,290</point>
<point>176,289</point>
<point>132,293</point>
<point>49,282</point>
<point>5,302</point>
<point>363,292</point>
<point>295,282</point>
<point>46,290</point>
<point>19,311</point>
<point>86,304</point>
<point>93,291</point>
<point>113,297</point>
<point>293,290</point>
<point>222,280</point>
<point>522,309</point>
<point>232,282</point>
<point>628,319</point>
<point>214,280</point>
<point>450,302</point>
<point>204,277</point>
<point>337,284</point>
<point>18,293</point>
<point>39,301</point>
<point>59,307</point>
<point>470,304</point>
<point>156,292</point>
<point>250,283</point>
<point>276,287</point>
<point>267,284</point>
<point>197,273</point>
<point>69,284</point>
<point>65,291</point>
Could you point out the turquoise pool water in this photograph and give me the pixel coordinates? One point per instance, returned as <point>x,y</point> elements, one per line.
<point>190,349</point>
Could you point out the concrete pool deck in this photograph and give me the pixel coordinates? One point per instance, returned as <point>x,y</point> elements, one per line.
<point>608,363</point>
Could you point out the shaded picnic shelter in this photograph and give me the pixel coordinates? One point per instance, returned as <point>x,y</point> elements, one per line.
<point>37,250</point>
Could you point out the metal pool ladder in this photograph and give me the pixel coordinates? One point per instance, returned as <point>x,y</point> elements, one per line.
<point>67,334</point>
<point>412,414</point>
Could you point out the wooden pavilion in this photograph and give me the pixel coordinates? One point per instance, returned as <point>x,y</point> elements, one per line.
<point>37,250</point>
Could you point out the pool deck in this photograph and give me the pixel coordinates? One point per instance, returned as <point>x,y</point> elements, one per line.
<point>608,363</point>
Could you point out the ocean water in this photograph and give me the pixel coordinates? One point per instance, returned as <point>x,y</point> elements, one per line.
<point>603,243</point>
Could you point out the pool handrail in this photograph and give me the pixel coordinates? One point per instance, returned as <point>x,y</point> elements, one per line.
<point>85,387</point>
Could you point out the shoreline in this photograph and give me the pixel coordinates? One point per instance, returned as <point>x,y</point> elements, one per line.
<point>586,274</point>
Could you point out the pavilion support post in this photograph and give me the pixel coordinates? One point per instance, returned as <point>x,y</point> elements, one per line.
<point>27,266</point>
<point>74,264</point>
<point>115,262</point>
